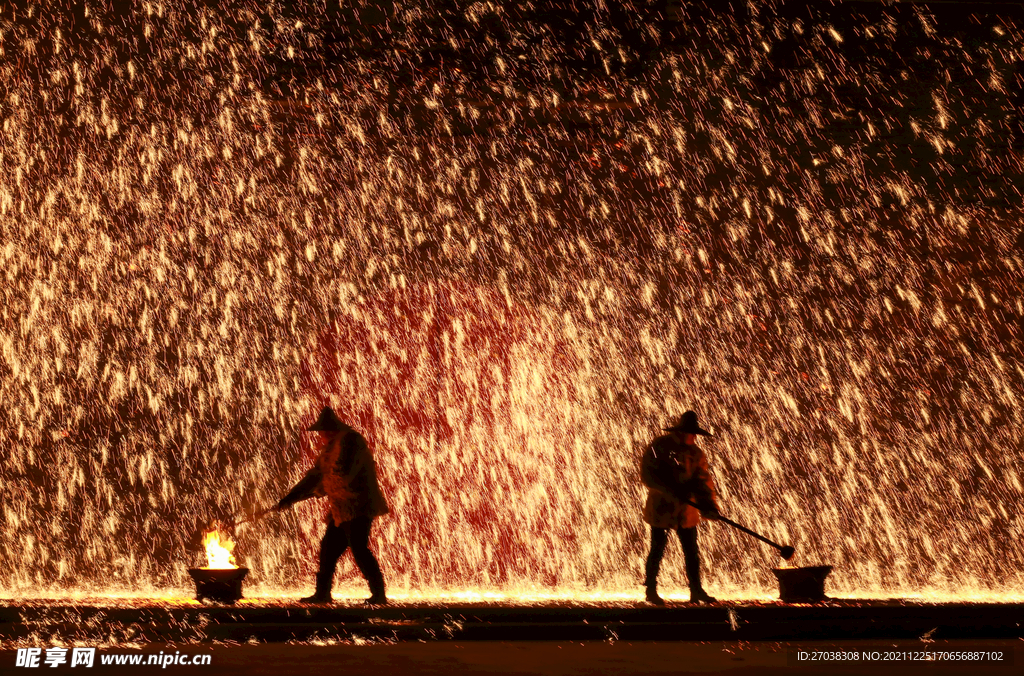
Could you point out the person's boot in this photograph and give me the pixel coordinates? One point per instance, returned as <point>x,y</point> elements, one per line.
<point>317,598</point>
<point>377,595</point>
<point>323,590</point>
<point>701,596</point>
<point>652,596</point>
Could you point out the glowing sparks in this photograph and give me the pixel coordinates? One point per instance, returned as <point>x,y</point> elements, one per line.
<point>509,279</point>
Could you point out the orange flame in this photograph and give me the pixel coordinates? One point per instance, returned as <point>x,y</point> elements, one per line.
<point>218,550</point>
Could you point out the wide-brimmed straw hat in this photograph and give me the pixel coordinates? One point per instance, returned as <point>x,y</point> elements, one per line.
<point>327,422</point>
<point>688,425</point>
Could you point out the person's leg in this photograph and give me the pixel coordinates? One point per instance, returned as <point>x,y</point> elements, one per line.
<point>332,546</point>
<point>691,553</point>
<point>359,530</point>
<point>659,538</point>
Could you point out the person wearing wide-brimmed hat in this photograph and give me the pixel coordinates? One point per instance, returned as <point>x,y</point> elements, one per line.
<point>675,472</point>
<point>346,473</point>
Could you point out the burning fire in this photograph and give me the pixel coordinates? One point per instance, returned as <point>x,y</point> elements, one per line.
<point>218,550</point>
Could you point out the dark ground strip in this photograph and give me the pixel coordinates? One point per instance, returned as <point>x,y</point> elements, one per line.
<point>194,623</point>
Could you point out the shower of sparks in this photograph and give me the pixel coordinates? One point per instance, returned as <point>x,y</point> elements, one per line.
<point>509,271</point>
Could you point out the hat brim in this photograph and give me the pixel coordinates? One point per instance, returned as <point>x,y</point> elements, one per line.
<point>327,421</point>
<point>699,432</point>
<point>320,426</point>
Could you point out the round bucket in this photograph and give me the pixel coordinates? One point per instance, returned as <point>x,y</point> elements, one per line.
<point>802,585</point>
<point>218,584</point>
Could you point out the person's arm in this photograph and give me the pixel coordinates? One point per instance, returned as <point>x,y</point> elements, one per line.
<point>704,488</point>
<point>309,486</point>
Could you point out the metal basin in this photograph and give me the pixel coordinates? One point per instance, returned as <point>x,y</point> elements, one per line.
<point>802,585</point>
<point>218,584</point>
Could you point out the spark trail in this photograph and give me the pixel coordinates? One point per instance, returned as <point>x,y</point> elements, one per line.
<point>510,245</point>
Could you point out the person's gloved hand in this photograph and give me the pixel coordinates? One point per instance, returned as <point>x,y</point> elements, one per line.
<point>711,513</point>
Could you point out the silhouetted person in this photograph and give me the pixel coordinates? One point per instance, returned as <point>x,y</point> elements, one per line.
<point>674,471</point>
<point>346,473</point>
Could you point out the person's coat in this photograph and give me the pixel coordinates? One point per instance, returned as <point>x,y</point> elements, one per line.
<point>673,471</point>
<point>346,473</point>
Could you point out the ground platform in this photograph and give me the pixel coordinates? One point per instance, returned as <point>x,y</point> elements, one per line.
<point>138,621</point>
